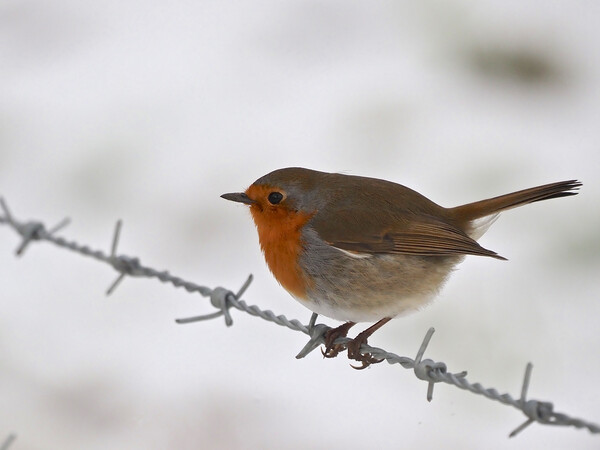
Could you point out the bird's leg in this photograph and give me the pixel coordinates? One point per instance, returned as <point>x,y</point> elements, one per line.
<point>354,345</point>
<point>332,349</point>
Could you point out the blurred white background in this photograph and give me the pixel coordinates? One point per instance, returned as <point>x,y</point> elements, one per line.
<point>148,111</point>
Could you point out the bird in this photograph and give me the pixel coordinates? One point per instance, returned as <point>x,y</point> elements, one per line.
<point>360,249</point>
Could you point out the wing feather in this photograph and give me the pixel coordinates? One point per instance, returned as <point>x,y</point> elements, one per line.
<point>397,220</point>
<point>422,236</point>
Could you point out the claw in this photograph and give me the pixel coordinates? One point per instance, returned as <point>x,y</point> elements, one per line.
<point>354,353</point>
<point>331,348</point>
<point>364,366</point>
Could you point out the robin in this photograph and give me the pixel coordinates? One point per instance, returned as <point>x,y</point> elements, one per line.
<point>360,249</point>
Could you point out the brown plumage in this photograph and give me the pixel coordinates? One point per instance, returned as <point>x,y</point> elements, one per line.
<point>363,249</point>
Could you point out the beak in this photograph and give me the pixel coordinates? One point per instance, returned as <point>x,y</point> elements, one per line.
<point>238,197</point>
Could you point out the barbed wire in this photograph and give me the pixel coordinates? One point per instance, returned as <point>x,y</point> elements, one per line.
<point>223,300</point>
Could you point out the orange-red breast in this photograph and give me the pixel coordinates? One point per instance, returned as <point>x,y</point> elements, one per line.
<point>361,249</point>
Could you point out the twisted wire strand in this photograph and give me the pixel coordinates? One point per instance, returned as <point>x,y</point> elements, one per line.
<point>223,299</point>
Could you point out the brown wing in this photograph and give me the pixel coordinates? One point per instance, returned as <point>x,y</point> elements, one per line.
<point>376,216</point>
<point>409,233</point>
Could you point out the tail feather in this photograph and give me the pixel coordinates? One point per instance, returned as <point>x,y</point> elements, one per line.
<point>476,210</point>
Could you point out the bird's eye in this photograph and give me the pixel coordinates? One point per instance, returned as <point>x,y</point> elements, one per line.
<point>275,197</point>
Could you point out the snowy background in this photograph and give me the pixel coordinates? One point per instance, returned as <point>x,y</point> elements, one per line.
<point>148,111</point>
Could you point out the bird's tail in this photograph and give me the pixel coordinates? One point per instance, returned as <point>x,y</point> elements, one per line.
<point>491,206</point>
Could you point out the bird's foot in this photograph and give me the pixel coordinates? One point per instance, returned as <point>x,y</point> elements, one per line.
<point>331,348</point>
<point>366,359</point>
<point>354,346</point>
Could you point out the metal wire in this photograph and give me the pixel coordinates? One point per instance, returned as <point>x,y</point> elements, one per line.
<point>223,300</point>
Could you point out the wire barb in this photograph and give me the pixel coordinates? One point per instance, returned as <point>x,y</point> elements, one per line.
<point>123,265</point>
<point>60,225</point>
<point>116,236</point>
<point>29,231</point>
<point>317,336</point>
<point>535,411</point>
<point>7,215</point>
<point>425,369</point>
<point>220,298</point>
